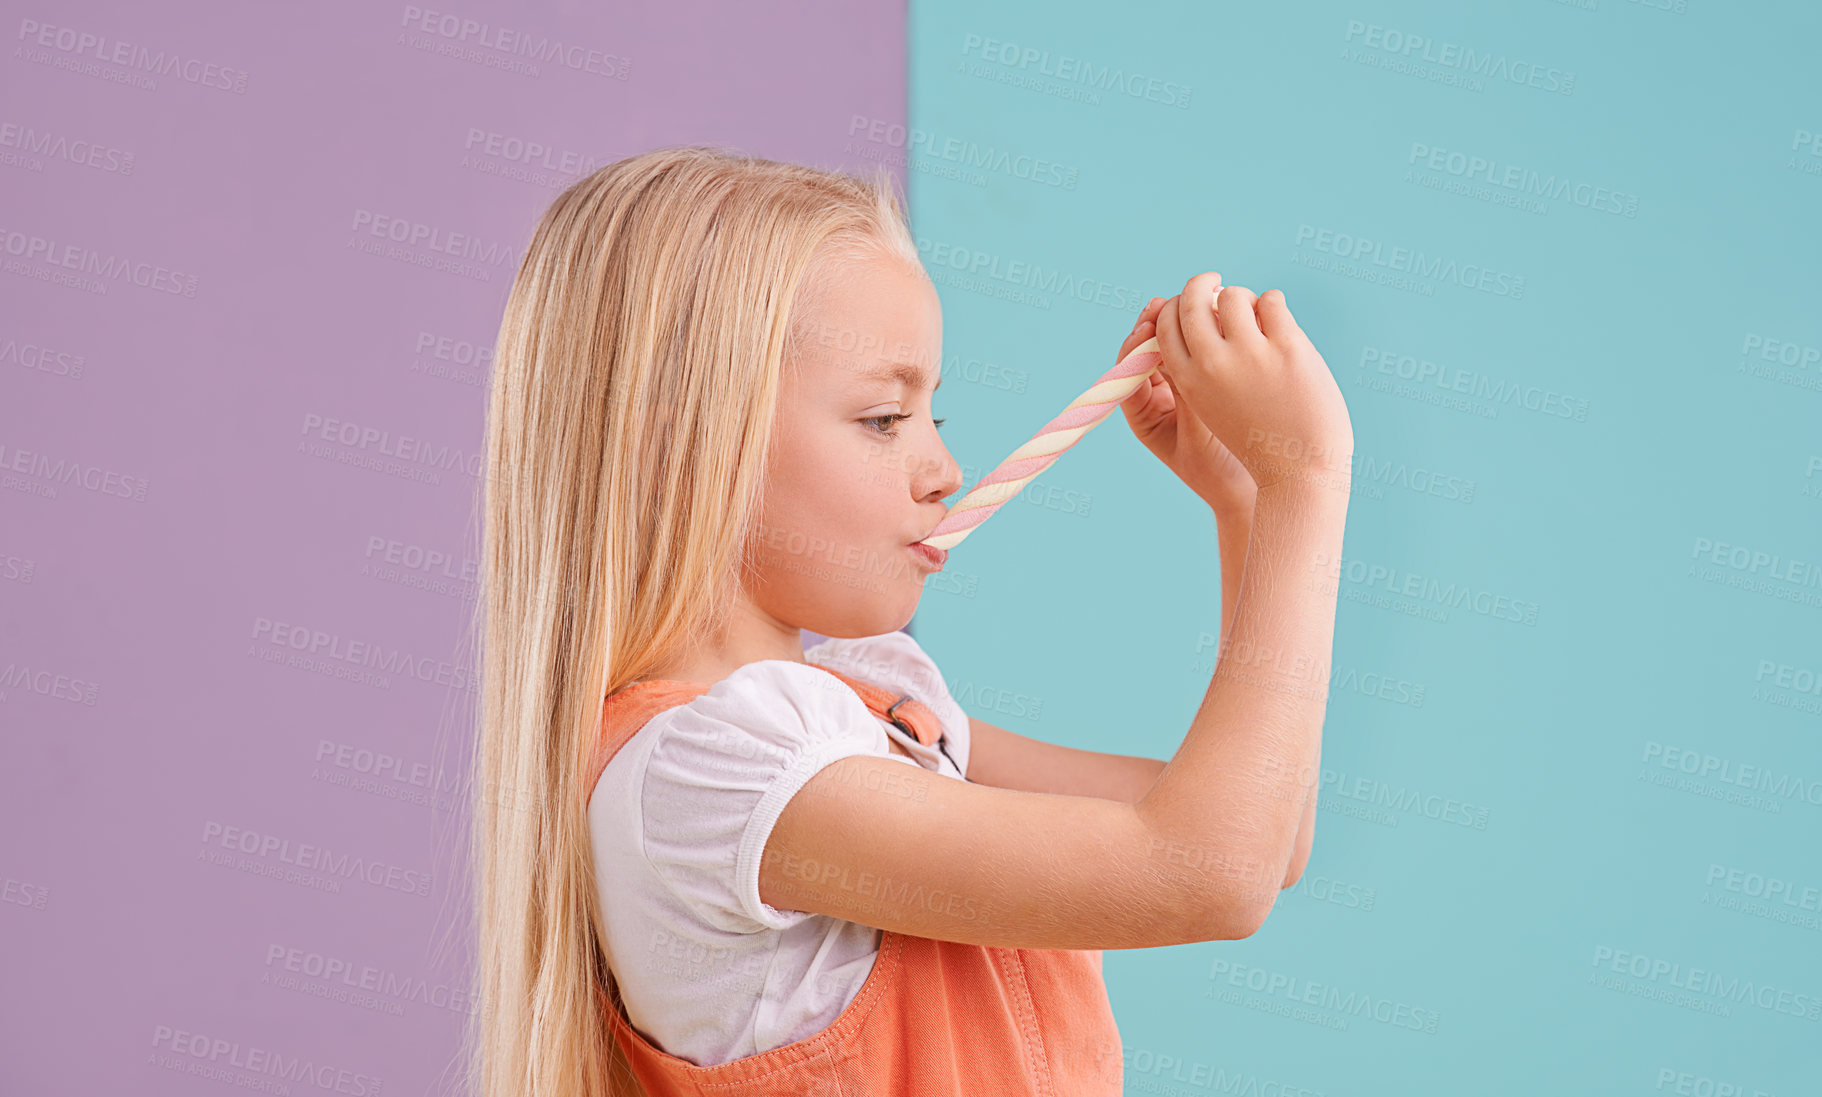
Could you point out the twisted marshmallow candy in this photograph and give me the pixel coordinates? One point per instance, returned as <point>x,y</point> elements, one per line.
<point>1012,474</point>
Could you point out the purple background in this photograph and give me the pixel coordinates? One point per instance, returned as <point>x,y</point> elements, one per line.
<point>184,309</point>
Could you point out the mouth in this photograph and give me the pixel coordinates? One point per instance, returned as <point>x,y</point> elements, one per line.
<point>932,558</point>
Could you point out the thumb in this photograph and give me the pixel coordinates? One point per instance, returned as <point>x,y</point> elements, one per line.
<point>1133,403</point>
<point>1168,330</point>
<point>1143,411</point>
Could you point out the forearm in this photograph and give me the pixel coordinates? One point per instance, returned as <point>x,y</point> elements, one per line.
<point>1051,767</point>
<point>1007,759</point>
<point>1138,775</point>
<point>1233,525</point>
<point>1237,789</point>
<point>1306,832</point>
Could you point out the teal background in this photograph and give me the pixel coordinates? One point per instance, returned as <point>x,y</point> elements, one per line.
<point>1557,737</point>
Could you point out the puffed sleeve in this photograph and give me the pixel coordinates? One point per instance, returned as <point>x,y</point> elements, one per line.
<point>898,662</point>
<point>722,769</point>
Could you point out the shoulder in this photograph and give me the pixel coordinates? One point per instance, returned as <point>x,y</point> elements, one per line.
<point>898,662</point>
<point>719,769</point>
<point>769,703</point>
<point>892,659</point>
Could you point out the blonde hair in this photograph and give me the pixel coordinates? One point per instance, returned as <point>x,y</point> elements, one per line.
<point>634,383</point>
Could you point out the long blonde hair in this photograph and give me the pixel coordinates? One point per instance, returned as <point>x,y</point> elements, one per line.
<point>634,383</point>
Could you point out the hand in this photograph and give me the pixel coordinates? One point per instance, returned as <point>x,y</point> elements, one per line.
<point>1177,437</point>
<point>1250,374</point>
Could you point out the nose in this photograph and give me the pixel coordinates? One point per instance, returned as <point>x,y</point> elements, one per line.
<point>938,475</point>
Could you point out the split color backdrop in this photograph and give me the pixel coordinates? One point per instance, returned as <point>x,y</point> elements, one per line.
<point>1561,257</point>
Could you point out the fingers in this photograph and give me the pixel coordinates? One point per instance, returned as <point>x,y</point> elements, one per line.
<point>1132,341</point>
<point>1196,315</point>
<point>1275,320</point>
<point>1142,329</point>
<point>1170,337</point>
<point>1239,322</point>
<point>1149,313</point>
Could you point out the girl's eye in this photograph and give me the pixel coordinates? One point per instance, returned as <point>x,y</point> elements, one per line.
<point>892,421</point>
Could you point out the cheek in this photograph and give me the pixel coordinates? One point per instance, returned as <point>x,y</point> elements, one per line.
<point>844,490</point>
<point>851,471</point>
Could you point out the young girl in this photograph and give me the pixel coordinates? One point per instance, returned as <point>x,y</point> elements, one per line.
<point>710,860</point>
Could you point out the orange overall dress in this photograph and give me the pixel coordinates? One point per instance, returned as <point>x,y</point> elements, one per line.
<point>933,1019</point>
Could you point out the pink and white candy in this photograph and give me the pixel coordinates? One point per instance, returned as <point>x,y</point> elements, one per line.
<point>1017,470</point>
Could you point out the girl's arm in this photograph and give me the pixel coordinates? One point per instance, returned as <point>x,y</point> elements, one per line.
<point>1306,834</point>
<point>1233,524</point>
<point>1233,527</point>
<point>1006,759</point>
<point>1201,857</point>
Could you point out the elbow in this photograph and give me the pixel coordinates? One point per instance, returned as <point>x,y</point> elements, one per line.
<point>1243,908</point>
<point>1240,915</point>
<point>1243,924</point>
<point>1294,872</point>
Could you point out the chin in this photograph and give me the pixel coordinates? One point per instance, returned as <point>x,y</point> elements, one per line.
<point>869,621</point>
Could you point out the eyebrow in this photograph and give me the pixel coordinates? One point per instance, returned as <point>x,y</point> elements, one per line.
<point>902,372</point>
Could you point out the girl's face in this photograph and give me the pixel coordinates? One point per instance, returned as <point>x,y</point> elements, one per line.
<point>858,471</point>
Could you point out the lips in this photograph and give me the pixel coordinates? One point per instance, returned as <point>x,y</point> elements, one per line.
<point>932,557</point>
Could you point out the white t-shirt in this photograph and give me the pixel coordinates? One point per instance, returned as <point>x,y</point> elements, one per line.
<point>708,971</point>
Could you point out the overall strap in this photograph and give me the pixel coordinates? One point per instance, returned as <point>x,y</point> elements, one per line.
<point>912,716</point>
<point>630,708</point>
